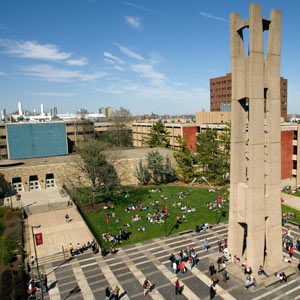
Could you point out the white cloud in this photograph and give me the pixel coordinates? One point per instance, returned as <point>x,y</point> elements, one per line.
<point>209,16</point>
<point>134,22</point>
<point>129,53</point>
<point>32,49</point>
<point>117,68</point>
<point>178,83</point>
<point>141,7</point>
<point>50,73</point>
<point>112,58</point>
<point>50,94</point>
<point>109,91</point>
<point>2,74</point>
<point>77,62</point>
<point>147,71</point>
<point>109,61</point>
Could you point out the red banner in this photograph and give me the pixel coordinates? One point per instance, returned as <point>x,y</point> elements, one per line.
<point>38,238</point>
<point>106,218</point>
<point>166,208</point>
<point>219,198</point>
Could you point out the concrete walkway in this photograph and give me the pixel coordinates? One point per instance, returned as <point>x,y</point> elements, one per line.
<point>57,233</point>
<point>85,276</point>
<point>291,201</point>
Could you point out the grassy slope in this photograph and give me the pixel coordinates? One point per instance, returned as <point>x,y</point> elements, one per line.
<point>197,198</point>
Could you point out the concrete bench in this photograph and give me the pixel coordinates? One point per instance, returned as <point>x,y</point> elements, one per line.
<point>273,279</point>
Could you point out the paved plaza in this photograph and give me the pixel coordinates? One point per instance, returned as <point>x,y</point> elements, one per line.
<point>86,276</point>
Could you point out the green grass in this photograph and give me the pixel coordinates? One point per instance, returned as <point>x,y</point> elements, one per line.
<point>197,198</point>
<point>287,209</point>
<point>297,194</point>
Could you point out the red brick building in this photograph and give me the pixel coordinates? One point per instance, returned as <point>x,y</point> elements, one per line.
<point>220,94</point>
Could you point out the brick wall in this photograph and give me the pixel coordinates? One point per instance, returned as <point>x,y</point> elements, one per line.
<point>190,134</point>
<point>286,153</point>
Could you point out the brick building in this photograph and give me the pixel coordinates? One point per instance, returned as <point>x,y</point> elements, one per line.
<point>220,94</point>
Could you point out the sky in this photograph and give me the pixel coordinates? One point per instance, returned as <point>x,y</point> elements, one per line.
<point>149,56</point>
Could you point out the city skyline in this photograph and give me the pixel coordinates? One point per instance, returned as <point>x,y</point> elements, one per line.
<point>146,56</point>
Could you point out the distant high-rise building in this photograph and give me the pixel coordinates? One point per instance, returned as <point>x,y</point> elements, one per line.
<point>107,111</point>
<point>220,94</point>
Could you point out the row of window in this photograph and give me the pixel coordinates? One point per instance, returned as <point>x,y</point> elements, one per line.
<point>221,96</point>
<point>221,82</point>
<point>221,89</point>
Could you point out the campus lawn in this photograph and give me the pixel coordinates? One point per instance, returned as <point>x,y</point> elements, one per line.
<point>196,198</point>
<point>287,209</point>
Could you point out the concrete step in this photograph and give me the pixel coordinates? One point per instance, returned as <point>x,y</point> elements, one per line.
<point>53,258</point>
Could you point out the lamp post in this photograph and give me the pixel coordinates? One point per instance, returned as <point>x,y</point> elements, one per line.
<point>35,253</point>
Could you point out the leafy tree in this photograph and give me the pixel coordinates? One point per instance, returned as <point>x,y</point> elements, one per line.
<point>213,154</point>
<point>169,171</point>
<point>185,161</point>
<point>155,166</point>
<point>4,186</point>
<point>142,174</point>
<point>225,143</point>
<point>160,172</point>
<point>158,136</point>
<point>94,172</point>
<point>209,154</point>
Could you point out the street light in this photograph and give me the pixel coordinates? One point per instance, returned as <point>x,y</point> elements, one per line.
<point>36,258</point>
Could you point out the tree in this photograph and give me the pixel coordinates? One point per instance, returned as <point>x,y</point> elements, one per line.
<point>208,154</point>
<point>142,174</point>
<point>158,136</point>
<point>169,171</point>
<point>94,172</point>
<point>185,161</point>
<point>82,113</point>
<point>4,186</point>
<point>160,171</point>
<point>120,134</point>
<point>225,143</point>
<point>213,154</point>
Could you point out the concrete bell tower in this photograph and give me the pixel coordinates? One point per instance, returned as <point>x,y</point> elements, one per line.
<point>255,172</point>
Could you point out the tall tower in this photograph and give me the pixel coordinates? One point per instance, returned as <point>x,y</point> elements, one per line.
<point>255,208</point>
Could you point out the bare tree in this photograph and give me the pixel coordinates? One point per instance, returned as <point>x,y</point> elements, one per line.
<point>93,172</point>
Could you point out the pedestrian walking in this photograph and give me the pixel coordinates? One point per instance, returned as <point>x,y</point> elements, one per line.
<point>45,284</point>
<point>212,291</point>
<point>32,260</point>
<point>71,248</point>
<point>116,292</point>
<point>175,267</point>
<point>181,267</point>
<point>146,287</point>
<point>206,246</point>
<point>212,269</point>
<point>67,218</point>
<point>107,293</point>
<point>299,266</point>
<point>177,288</point>
<point>291,250</point>
<point>214,279</point>
<point>225,276</point>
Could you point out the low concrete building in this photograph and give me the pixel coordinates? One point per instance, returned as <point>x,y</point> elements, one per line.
<point>140,131</point>
<point>39,173</point>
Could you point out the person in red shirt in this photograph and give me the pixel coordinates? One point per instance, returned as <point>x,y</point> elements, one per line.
<point>181,267</point>
<point>291,251</point>
<point>177,287</point>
